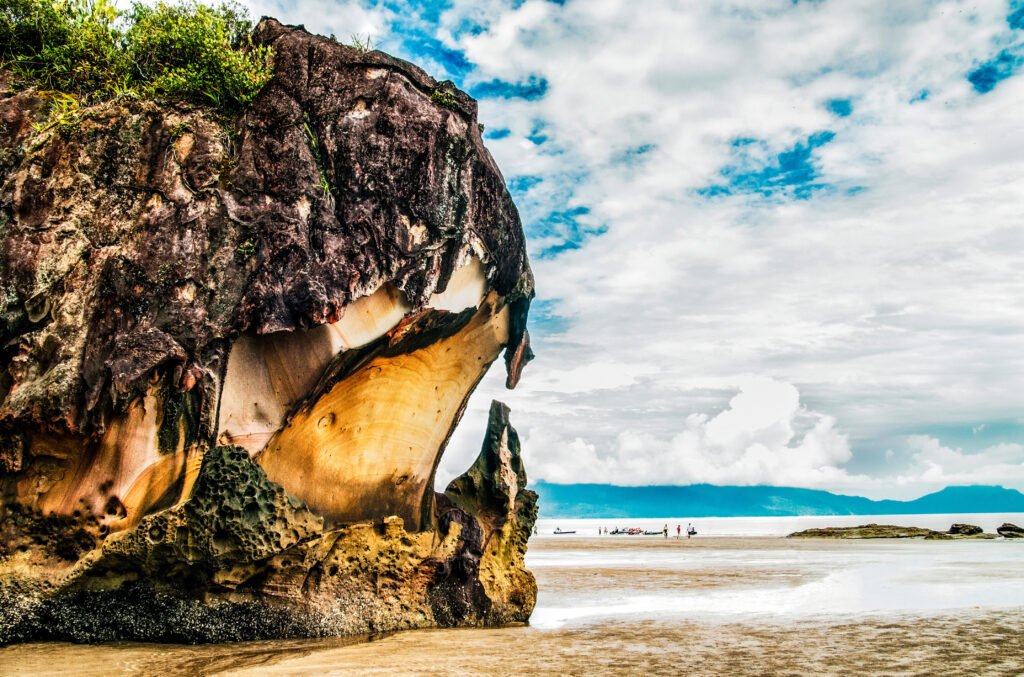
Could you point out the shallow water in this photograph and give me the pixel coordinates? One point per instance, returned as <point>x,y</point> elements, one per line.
<point>616,605</point>
<point>741,579</point>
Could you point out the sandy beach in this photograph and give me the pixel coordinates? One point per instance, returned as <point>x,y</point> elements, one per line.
<point>615,605</point>
<point>973,642</point>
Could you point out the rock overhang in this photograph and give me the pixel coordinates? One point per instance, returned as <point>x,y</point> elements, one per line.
<point>175,280</point>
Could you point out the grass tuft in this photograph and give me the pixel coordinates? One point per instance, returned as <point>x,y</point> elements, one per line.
<point>361,43</point>
<point>444,95</point>
<point>93,52</point>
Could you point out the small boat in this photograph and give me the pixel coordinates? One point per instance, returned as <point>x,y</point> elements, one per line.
<point>559,532</point>
<point>653,533</point>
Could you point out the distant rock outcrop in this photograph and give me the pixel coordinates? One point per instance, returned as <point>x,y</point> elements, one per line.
<point>234,349</point>
<point>957,531</point>
<point>864,531</point>
<point>1010,531</point>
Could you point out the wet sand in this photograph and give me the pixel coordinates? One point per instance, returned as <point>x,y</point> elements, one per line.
<point>974,643</point>
<point>981,643</point>
<point>704,606</point>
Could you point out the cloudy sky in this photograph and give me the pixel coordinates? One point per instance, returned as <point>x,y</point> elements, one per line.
<point>775,242</point>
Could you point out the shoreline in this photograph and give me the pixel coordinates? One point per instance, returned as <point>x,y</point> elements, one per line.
<point>713,604</point>
<point>769,525</point>
<point>895,643</point>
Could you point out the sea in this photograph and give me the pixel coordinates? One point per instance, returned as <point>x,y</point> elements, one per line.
<point>775,526</point>
<point>742,569</point>
<point>737,598</point>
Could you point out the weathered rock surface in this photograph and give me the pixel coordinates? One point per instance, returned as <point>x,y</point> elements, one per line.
<point>233,351</point>
<point>1009,530</point>
<point>494,490</point>
<point>965,530</point>
<point>864,531</point>
<point>958,531</point>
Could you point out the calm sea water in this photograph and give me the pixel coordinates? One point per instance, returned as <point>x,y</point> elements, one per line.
<point>774,526</point>
<point>734,570</point>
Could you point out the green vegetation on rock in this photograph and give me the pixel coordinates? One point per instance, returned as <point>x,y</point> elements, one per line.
<point>444,96</point>
<point>89,51</point>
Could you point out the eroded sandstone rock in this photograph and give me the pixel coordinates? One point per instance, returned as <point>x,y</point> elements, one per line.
<point>233,351</point>
<point>494,491</point>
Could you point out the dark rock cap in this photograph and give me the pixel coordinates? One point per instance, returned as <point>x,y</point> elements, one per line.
<point>151,235</point>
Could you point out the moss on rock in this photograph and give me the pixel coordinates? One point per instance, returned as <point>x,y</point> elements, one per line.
<point>235,518</point>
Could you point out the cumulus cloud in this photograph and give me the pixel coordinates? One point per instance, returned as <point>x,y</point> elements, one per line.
<point>938,466</point>
<point>865,255</point>
<point>763,436</point>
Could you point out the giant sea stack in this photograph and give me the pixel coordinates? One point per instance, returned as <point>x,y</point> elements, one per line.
<point>234,349</point>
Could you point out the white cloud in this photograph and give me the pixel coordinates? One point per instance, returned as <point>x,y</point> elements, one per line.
<point>763,436</point>
<point>939,466</point>
<point>894,308</point>
<point>326,17</point>
<point>590,377</point>
<point>890,301</point>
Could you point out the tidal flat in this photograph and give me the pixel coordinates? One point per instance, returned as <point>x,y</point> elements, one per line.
<point>708,605</point>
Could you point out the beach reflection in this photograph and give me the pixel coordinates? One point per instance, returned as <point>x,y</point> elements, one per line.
<point>615,605</point>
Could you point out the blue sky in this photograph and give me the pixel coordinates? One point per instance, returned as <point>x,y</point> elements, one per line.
<point>775,242</point>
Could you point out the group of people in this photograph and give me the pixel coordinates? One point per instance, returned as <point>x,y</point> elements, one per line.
<point>690,531</point>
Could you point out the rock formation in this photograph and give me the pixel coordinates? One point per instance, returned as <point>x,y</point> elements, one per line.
<point>864,531</point>
<point>1008,530</point>
<point>233,349</point>
<point>965,530</point>
<point>956,532</point>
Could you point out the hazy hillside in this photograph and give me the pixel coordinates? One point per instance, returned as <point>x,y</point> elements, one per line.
<point>705,500</point>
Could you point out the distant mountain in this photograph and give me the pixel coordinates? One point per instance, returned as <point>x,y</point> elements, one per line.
<point>707,500</point>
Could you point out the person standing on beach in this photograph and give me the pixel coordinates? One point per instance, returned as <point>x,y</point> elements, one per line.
<point>665,529</point>
<point>679,530</point>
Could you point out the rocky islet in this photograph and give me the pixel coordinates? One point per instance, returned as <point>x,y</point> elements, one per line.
<point>955,532</point>
<point>1008,530</point>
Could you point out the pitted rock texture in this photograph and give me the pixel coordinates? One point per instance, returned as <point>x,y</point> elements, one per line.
<point>243,560</point>
<point>494,490</point>
<point>233,350</point>
<point>235,517</point>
